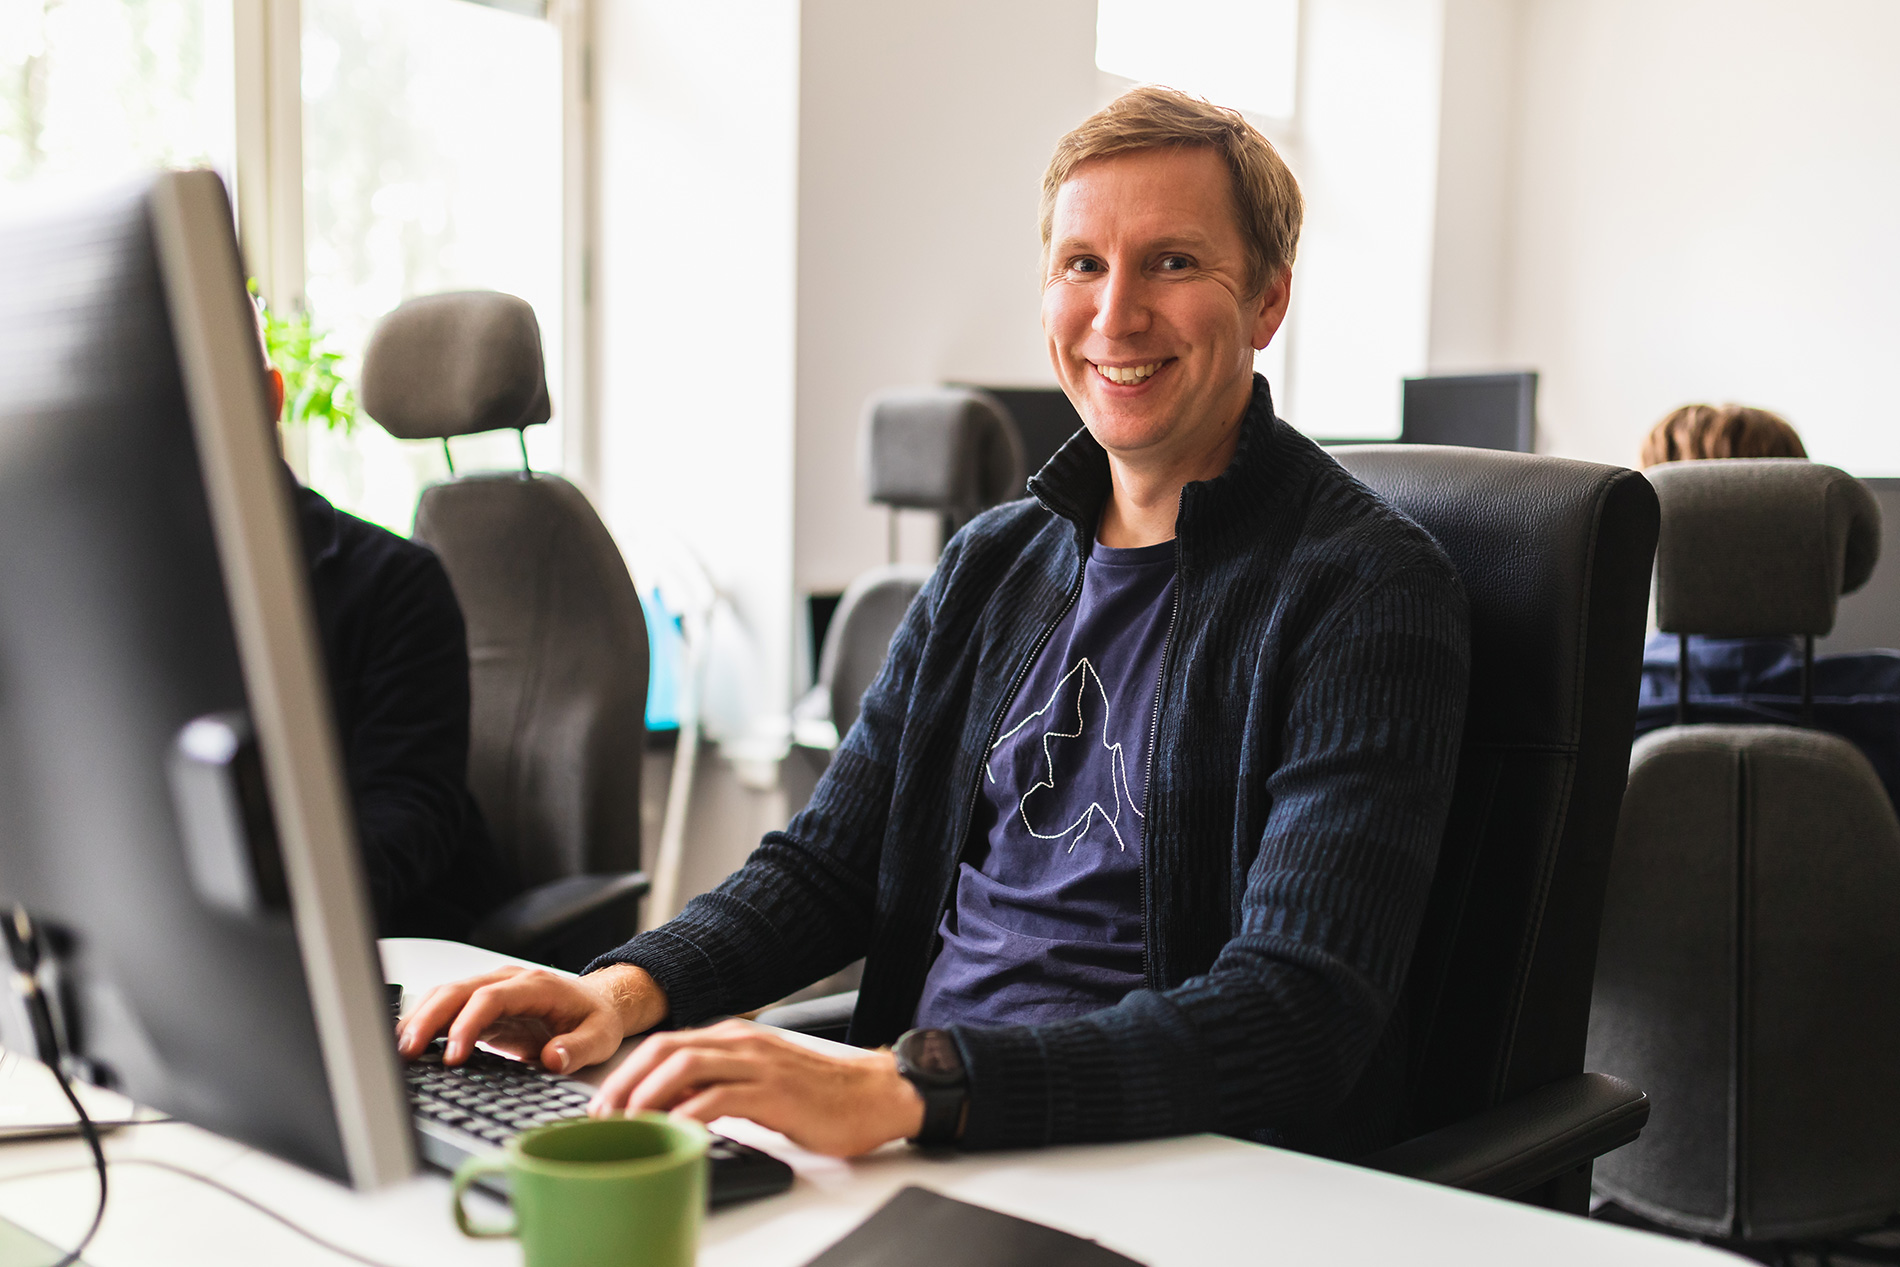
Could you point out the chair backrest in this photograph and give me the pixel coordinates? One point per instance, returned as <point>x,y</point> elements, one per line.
<point>1749,943</point>
<point>860,635</point>
<point>954,450</point>
<point>557,667</point>
<point>1555,558</point>
<point>1760,545</point>
<point>454,364</point>
<point>1746,982</point>
<point>557,641</point>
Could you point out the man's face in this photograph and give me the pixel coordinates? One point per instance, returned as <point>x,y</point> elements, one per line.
<point>1145,302</point>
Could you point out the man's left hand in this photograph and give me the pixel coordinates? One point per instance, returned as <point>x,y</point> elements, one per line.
<point>841,1104</point>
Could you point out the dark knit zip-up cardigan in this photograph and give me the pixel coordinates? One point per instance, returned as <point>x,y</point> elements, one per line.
<point>1311,702</point>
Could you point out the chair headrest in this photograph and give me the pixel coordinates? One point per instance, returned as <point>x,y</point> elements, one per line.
<point>1754,546</point>
<point>953,449</point>
<point>454,364</point>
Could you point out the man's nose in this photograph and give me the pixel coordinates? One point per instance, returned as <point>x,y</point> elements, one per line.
<point>1121,308</point>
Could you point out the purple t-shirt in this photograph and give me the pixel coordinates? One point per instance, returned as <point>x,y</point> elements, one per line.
<point>1046,921</point>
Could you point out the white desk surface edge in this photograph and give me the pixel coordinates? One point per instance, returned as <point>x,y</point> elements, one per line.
<point>1192,1200</point>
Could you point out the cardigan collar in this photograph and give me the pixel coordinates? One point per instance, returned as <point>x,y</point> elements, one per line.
<point>1075,483</point>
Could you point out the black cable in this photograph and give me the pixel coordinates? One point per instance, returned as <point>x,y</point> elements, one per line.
<point>228,1191</point>
<point>23,944</point>
<point>91,1132</point>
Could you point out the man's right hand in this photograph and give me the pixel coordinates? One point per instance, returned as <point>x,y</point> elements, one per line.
<point>567,1023</point>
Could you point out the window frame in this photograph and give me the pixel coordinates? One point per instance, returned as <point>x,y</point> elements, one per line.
<point>267,56</point>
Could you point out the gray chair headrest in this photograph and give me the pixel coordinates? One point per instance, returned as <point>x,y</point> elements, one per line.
<point>454,364</point>
<point>1754,546</point>
<point>953,449</point>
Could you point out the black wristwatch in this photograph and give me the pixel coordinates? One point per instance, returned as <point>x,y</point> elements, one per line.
<point>930,1059</point>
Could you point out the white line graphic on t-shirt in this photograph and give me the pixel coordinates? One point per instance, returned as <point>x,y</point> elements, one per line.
<point>1083,674</point>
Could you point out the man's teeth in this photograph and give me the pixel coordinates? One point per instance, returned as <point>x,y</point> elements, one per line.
<point>1126,373</point>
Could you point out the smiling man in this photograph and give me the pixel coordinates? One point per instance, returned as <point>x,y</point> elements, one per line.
<point>1136,826</point>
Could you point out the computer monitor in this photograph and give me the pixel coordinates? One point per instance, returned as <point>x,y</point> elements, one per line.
<point>1479,411</point>
<point>212,930</point>
<point>1044,416</point>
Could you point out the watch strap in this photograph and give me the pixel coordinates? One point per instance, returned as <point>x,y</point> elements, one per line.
<point>945,1091</point>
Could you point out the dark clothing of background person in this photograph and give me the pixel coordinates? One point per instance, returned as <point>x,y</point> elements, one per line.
<point>1757,681</point>
<point>397,654</point>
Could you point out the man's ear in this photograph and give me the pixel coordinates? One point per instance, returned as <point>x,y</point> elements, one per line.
<point>1270,308</point>
<point>274,383</point>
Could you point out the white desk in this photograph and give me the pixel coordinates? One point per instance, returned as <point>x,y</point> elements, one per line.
<point>1195,1201</point>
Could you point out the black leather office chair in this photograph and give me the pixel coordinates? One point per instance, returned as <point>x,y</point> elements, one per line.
<point>557,642</point>
<point>1555,557</point>
<point>1750,949</point>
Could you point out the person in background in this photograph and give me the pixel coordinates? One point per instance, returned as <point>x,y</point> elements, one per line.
<point>396,652</point>
<point>1757,680</point>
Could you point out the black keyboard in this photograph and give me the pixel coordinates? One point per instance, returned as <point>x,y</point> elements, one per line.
<point>474,1108</point>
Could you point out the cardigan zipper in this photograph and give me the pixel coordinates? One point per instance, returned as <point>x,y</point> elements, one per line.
<point>1154,736</point>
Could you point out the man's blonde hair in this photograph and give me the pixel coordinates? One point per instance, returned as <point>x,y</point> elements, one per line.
<point>1267,202</point>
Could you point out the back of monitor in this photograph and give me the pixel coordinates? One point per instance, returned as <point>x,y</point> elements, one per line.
<point>1478,411</point>
<point>150,577</point>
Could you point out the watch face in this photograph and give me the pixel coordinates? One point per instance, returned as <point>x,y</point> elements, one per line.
<point>932,1054</point>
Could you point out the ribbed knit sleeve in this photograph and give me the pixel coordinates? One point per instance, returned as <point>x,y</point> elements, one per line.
<point>1280,1027</point>
<point>801,907</point>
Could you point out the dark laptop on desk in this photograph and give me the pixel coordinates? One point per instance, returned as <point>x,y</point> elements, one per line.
<point>173,813</point>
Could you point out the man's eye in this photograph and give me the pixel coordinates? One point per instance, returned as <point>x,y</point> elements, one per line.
<point>1085,265</point>
<point>1175,263</point>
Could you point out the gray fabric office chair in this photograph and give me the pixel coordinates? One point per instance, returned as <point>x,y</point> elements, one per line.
<point>557,642</point>
<point>953,450</point>
<point>1750,950</point>
<point>856,641</point>
<point>1555,557</point>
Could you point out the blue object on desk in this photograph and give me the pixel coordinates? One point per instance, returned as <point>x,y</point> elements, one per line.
<point>666,662</point>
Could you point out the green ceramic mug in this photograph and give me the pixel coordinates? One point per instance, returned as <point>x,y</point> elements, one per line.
<point>625,1191</point>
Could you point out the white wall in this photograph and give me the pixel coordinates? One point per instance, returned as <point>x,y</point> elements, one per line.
<point>1366,154</point>
<point>1472,219</point>
<point>1704,210</point>
<point>923,132</point>
<point>698,110</point>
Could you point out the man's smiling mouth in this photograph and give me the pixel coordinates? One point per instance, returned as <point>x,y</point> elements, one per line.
<point>1127,374</point>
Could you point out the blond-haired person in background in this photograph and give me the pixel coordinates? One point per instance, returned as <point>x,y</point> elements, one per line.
<point>1758,680</point>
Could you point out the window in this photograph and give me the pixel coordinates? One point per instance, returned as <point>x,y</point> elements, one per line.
<point>432,161</point>
<point>1250,65</point>
<point>1253,67</point>
<point>431,158</point>
<point>91,89</point>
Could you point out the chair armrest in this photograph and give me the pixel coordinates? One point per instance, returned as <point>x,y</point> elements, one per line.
<point>827,1017</point>
<point>1525,1142</point>
<point>550,911</point>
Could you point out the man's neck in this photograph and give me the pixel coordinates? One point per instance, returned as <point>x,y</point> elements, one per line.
<point>1145,490</point>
